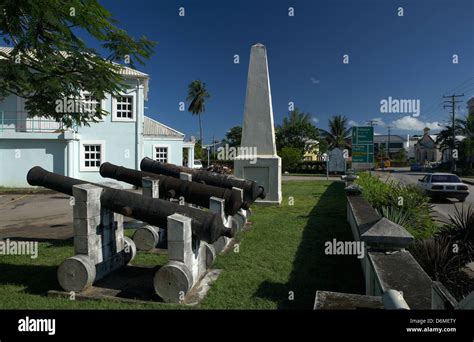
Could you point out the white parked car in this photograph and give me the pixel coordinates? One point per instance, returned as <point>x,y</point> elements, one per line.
<point>197,164</point>
<point>444,185</point>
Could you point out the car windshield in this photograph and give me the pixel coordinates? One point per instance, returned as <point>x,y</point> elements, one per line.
<point>197,162</point>
<point>445,179</point>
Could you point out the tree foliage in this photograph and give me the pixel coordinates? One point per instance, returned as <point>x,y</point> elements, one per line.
<point>233,137</point>
<point>50,62</point>
<point>295,131</point>
<point>338,132</point>
<point>462,127</point>
<point>197,95</point>
<point>290,157</point>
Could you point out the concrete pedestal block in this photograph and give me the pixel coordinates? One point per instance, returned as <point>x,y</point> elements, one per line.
<point>146,238</point>
<point>189,259</point>
<point>209,254</point>
<point>266,171</point>
<point>99,242</point>
<point>240,219</point>
<point>173,281</point>
<point>76,273</point>
<point>221,244</point>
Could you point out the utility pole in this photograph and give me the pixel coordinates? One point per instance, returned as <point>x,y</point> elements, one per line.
<point>372,123</point>
<point>388,147</point>
<point>452,104</point>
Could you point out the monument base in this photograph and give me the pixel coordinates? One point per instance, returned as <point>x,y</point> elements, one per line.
<point>266,171</point>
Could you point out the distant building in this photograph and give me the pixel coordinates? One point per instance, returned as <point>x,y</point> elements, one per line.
<point>410,146</point>
<point>312,150</point>
<point>397,143</point>
<point>426,149</point>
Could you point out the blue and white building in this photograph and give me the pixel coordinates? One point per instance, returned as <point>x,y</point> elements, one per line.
<point>123,137</point>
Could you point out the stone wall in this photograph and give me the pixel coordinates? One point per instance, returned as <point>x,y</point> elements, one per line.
<point>387,264</point>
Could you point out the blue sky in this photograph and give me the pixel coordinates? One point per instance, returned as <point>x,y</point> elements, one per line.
<point>407,57</point>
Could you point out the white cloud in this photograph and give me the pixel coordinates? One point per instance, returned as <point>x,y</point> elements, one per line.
<point>315,120</point>
<point>410,123</point>
<point>353,123</point>
<point>314,80</point>
<point>379,122</point>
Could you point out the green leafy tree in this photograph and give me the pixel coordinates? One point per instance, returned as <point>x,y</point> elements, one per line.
<point>233,137</point>
<point>467,146</point>
<point>50,62</point>
<point>462,127</point>
<point>401,155</point>
<point>295,131</point>
<point>197,94</point>
<point>381,153</point>
<point>338,132</point>
<point>290,158</point>
<point>198,154</point>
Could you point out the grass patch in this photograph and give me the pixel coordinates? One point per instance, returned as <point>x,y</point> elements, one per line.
<point>282,255</point>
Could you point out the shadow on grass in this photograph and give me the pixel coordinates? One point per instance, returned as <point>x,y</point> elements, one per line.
<point>36,279</point>
<point>312,269</point>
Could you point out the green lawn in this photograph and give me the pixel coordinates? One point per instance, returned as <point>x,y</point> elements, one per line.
<point>282,255</point>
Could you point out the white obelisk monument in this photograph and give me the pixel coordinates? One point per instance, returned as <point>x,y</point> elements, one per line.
<point>257,159</point>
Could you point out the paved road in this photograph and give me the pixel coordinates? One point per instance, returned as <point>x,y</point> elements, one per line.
<point>443,208</point>
<point>38,217</point>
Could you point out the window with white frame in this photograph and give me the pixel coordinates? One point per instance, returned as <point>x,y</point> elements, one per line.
<point>92,155</point>
<point>124,107</point>
<point>161,154</point>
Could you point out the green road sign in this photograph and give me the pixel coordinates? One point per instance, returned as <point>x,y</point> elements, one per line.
<point>363,135</point>
<point>363,144</point>
<point>362,153</point>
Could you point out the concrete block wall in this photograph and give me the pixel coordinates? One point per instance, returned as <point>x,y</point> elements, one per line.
<point>387,264</point>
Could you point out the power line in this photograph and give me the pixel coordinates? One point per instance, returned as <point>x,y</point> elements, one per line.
<point>452,104</point>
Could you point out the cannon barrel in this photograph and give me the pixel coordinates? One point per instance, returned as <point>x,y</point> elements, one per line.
<point>206,226</point>
<point>251,189</point>
<point>192,192</point>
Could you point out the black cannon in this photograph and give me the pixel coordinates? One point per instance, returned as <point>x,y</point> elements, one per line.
<point>206,226</point>
<point>251,189</point>
<point>171,187</point>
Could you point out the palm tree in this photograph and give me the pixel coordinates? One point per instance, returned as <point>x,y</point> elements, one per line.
<point>445,137</point>
<point>467,129</point>
<point>338,132</point>
<point>197,94</point>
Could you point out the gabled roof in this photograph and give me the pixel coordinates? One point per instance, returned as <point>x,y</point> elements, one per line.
<point>427,139</point>
<point>124,70</point>
<point>154,128</point>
